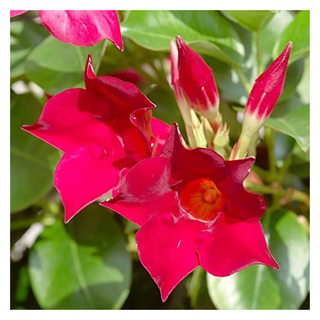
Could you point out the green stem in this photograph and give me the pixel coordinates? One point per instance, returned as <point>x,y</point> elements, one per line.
<point>259,53</point>
<point>244,80</point>
<point>103,51</point>
<point>269,138</point>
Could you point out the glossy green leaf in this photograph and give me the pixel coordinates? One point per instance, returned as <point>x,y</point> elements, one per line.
<point>304,85</point>
<point>32,161</point>
<point>81,265</point>
<point>56,66</point>
<point>24,37</point>
<point>261,287</point>
<point>272,32</point>
<point>298,32</point>
<point>296,124</point>
<point>253,20</point>
<point>293,78</point>
<point>206,31</point>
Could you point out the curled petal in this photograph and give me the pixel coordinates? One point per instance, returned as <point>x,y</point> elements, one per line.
<point>208,163</point>
<point>144,191</point>
<point>127,108</point>
<point>242,204</point>
<point>83,27</point>
<point>166,248</point>
<point>85,174</point>
<point>232,245</point>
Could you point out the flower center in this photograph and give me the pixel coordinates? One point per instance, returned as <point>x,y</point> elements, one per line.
<point>202,199</point>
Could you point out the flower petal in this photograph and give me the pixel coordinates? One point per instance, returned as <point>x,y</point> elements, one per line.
<point>144,191</point>
<point>85,174</point>
<point>232,245</point>
<point>161,132</point>
<point>83,27</point>
<point>166,248</point>
<point>128,109</point>
<point>242,204</point>
<point>197,81</point>
<point>208,163</point>
<point>67,122</point>
<point>14,13</point>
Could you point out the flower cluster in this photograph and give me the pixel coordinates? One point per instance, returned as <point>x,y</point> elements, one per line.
<point>188,196</point>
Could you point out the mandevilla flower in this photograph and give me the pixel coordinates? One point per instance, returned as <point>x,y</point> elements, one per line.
<point>193,211</point>
<point>197,82</point>
<point>262,100</point>
<point>101,129</point>
<point>80,27</point>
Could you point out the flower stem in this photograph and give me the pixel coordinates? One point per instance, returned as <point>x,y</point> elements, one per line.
<point>103,51</point>
<point>244,80</point>
<point>259,53</point>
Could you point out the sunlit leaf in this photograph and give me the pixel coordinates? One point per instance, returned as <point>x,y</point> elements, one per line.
<point>296,124</point>
<point>205,31</point>
<point>298,32</point>
<point>57,66</point>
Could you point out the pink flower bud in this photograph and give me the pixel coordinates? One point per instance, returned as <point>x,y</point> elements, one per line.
<point>267,90</point>
<point>196,81</point>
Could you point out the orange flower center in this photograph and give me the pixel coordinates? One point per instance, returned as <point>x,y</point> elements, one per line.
<point>202,199</point>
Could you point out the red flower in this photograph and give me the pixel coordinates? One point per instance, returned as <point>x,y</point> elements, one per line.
<point>195,79</point>
<point>80,27</point>
<point>101,129</point>
<point>193,211</point>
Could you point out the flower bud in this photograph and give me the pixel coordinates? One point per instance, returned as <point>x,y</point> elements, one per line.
<point>265,93</point>
<point>261,102</point>
<point>197,82</point>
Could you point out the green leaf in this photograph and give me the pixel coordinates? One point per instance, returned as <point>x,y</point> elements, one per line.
<point>205,31</point>
<point>260,287</point>
<point>272,32</point>
<point>57,66</point>
<point>32,161</point>
<point>24,37</point>
<point>253,20</point>
<point>296,124</point>
<point>304,85</point>
<point>299,33</point>
<point>81,265</point>
<point>293,78</point>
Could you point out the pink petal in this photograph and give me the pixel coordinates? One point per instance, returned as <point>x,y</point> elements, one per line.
<point>208,163</point>
<point>161,132</point>
<point>232,245</point>
<point>83,27</point>
<point>242,204</point>
<point>130,75</point>
<point>85,174</point>
<point>166,248</point>
<point>128,111</point>
<point>14,13</point>
<point>144,191</point>
<point>67,122</point>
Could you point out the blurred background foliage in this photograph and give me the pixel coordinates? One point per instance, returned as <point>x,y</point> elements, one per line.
<point>92,262</point>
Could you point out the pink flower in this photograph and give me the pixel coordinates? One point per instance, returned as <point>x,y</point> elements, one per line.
<point>193,211</point>
<point>194,78</point>
<point>101,129</point>
<point>80,27</point>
